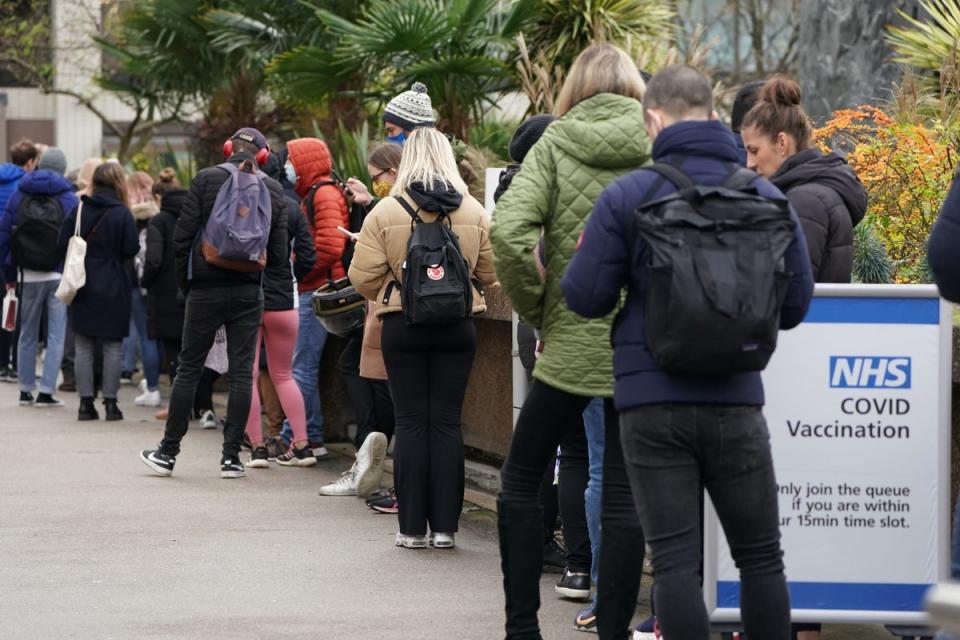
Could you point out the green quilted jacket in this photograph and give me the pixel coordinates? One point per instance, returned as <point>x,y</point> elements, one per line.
<point>599,140</point>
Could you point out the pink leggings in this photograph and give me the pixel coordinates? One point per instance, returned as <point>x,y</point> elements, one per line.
<point>279,329</point>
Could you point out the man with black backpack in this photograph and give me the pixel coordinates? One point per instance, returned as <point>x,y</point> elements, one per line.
<point>232,226</point>
<point>714,263</point>
<point>30,253</point>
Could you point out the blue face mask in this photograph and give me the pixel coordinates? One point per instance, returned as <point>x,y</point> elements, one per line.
<point>291,174</point>
<point>400,138</point>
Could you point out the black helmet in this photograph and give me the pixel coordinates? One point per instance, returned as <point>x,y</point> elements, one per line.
<point>338,306</point>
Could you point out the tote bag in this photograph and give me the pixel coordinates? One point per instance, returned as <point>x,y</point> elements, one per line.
<point>74,269</point>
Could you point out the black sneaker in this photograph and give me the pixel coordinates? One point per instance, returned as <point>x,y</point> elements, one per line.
<point>297,458</point>
<point>159,462</point>
<point>231,467</point>
<point>586,620</point>
<point>46,400</point>
<point>11,376</point>
<point>26,399</point>
<point>259,458</point>
<point>575,586</point>
<point>126,377</point>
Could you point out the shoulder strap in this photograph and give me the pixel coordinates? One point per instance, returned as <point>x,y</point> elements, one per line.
<point>677,176</point>
<point>406,206</point>
<point>308,200</point>
<point>740,179</point>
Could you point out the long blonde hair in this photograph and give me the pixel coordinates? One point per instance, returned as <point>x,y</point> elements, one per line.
<point>600,68</point>
<point>428,158</point>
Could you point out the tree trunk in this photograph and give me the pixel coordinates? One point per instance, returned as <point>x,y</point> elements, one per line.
<point>843,58</point>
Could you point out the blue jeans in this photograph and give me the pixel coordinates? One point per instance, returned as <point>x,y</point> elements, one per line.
<point>148,348</point>
<point>34,297</point>
<point>306,370</point>
<point>594,425</point>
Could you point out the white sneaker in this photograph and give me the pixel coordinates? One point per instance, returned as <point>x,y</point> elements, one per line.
<point>142,386</point>
<point>411,542</point>
<point>441,540</point>
<point>209,420</point>
<point>149,399</point>
<point>345,485</point>
<point>370,463</point>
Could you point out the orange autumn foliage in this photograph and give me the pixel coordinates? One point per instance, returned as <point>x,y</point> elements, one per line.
<point>907,169</point>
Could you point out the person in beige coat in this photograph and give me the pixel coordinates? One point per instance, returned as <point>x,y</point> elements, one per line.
<point>427,366</point>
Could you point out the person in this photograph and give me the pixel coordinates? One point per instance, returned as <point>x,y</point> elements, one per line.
<point>682,432</point>
<point>164,298</point>
<point>44,187</point>
<point>144,206</point>
<point>361,363</point>
<point>823,189</point>
<point>278,334</point>
<point>111,235</point>
<point>427,365</point>
<point>597,137</point>
<point>23,159</point>
<point>309,167</point>
<point>217,297</point>
<point>743,102</point>
<point>944,262</point>
<point>406,112</point>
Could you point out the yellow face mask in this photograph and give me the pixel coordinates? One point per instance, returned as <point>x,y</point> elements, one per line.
<point>381,188</point>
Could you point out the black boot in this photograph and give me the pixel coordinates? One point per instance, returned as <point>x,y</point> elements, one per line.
<point>113,411</point>
<point>87,410</point>
<point>521,559</point>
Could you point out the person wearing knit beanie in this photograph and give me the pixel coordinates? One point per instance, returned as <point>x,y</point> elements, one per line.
<point>54,160</point>
<point>406,112</point>
<point>527,135</point>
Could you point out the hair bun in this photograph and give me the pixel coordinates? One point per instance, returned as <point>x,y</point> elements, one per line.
<point>781,91</point>
<point>167,175</point>
<point>419,87</point>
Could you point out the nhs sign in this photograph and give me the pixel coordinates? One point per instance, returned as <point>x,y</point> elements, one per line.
<point>870,372</point>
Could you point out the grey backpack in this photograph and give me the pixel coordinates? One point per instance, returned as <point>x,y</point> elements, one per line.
<point>235,235</point>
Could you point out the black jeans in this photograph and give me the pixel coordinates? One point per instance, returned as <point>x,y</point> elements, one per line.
<point>371,399</point>
<point>573,475</point>
<point>547,417</point>
<point>428,367</point>
<point>672,452</point>
<point>171,356</point>
<point>240,310</point>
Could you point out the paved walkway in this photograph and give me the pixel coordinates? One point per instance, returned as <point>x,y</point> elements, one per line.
<point>94,546</point>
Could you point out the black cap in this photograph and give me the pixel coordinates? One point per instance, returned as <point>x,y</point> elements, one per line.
<point>527,135</point>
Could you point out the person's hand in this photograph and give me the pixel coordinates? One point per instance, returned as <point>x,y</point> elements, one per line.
<point>11,285</point>
<point>357,192</point>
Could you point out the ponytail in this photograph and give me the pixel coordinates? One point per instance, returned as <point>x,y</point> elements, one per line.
<point>778,111</point>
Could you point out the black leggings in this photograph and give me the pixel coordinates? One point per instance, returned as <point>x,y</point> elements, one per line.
<point>548,416</point>
<point>428,367</point>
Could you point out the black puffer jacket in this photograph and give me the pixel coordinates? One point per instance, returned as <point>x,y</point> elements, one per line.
<point>830,201</point>
<point>164,299</point>
<point>193,216</point>
<point>278,285</point>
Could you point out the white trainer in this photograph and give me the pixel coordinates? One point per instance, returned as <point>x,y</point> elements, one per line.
<point>209,420</point>
<point>345,485</point>
<point>370,463</point>
<point>149,399</point>
<point>441,540</point>
<point>411,542</point>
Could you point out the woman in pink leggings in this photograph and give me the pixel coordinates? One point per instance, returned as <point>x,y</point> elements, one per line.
<point>278,332</point>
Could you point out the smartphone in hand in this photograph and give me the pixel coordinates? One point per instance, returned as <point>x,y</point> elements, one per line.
<point>348,233</point>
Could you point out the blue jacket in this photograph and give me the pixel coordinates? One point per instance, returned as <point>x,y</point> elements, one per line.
<point>605,264</point>
<point>10,175</point>
<point>943,249</point>
<point>741,149</point>
<point>37,183</point>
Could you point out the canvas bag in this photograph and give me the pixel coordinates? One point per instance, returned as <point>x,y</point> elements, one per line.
<point>10,310</point>
<point>74,267</point>
<point>236,234</point>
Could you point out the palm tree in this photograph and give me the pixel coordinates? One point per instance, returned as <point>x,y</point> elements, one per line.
<point>458,48</point>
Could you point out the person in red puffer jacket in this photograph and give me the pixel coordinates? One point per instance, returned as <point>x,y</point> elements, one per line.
<point>309,168</point>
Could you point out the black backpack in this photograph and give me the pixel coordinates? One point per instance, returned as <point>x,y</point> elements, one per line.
<point>356,213</point>
<point>715,276</point>
<point>435,287</point>
<point>34,242</point>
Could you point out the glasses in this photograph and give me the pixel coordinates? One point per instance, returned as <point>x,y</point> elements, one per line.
<point>377,177</point>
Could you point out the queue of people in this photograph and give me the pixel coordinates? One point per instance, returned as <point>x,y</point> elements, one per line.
<point>633,421</point>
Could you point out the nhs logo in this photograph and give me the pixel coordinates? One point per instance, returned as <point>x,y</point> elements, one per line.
<point>870,372</point>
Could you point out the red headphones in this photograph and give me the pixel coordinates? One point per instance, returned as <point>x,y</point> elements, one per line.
<point>262,155</point>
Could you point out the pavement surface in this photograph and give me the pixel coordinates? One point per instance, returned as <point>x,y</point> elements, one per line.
<point>92,545</point>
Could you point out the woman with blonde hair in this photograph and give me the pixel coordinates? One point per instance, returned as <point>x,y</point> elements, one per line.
<point>598,136</point>
<point>102,307</point>
<point>428,365</point>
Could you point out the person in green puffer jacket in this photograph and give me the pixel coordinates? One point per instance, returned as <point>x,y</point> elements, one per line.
<point>599,136</point>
